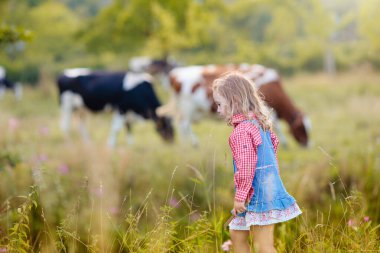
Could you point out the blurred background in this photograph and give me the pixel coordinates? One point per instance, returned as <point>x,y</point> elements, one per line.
<point>63,194</point>
<point>291,36</point>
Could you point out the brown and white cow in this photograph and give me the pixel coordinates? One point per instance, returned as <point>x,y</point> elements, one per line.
<point>193,98</point>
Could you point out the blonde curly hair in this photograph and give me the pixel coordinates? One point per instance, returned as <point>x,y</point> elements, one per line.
<point>242,97</point>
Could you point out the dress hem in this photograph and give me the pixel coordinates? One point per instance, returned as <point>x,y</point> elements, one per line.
<point>241,223</point>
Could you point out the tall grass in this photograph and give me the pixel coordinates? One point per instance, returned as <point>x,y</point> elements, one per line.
<point>61,194</point>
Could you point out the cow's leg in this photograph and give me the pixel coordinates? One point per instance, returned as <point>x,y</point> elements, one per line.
<point>18,91</point>
<point>2,91</point>
<point>192,108</point>
<point>69,102</point>
<point>278,130</point>
<point>66,111</point>
<point>128,128</point>
<point>117,124</point>
<point>307,123</point>
<point>186,132</point>
<point>187,107</point>
<point>82,125</point>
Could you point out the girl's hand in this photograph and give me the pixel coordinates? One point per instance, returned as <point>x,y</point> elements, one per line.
<point>239,207</point>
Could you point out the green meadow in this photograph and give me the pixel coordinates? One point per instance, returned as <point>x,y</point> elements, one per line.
<point>62,194</point>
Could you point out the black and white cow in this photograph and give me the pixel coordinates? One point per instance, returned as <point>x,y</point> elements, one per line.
<point>6,84</point>
<point>123,92</point>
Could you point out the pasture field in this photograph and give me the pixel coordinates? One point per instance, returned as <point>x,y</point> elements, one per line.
<point>61,194</point>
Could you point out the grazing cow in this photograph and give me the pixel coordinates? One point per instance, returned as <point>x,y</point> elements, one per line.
<point>193,97</point>
<point>121,91</point>
<point>6,84</point>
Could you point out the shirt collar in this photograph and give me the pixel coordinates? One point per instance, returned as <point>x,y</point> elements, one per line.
<point>238,118</point>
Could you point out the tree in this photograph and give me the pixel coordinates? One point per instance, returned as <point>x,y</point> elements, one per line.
<point>54,26</point>
<point>156,27</point>
<point>284,34</point>
<point>10,34</point>
<point>369,20</point>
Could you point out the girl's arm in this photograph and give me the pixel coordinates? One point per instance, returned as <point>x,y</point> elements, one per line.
<point>244,153</point>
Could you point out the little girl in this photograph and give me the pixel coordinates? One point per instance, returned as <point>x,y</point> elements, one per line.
<point>260,197</point>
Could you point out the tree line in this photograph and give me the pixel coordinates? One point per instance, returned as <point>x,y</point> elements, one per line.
<point>290,35</point>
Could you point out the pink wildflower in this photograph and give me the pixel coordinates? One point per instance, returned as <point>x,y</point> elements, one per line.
<point>114,210</point>
<point>366,218</point>
<point>42,158</point>
<point>173,202</point>
<point>226,246</point>
<point>44,130</point>
<point>352,224</point>
<point>195,216</point>
<point>63,169</point>
<point>3,250</point>
<point>98,191</point>
<point>13,124</point>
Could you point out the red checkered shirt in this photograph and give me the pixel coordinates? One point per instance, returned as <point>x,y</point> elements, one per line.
<point>243,142</point>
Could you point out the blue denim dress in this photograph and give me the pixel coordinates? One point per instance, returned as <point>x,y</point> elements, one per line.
<point>269,191</point>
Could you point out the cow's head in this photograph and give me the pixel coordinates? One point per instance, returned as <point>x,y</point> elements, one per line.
<point>165,128</point>
<point>300,127</point>
<point>151,65</point>
<point>159,67</point>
